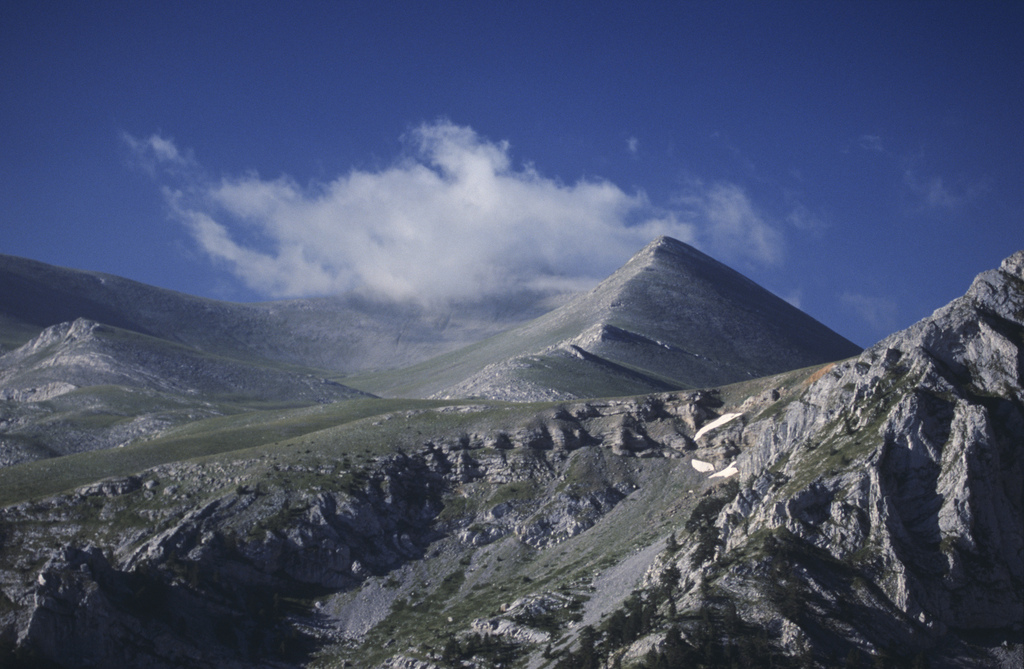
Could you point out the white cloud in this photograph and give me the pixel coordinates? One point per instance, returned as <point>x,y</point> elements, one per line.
<point>879,312</point>
<point>633,146</point>
<point>156,150</point>
<point>931,191</point>
<point>164,149</point>
<point>935,193</point>
<point>871,143</point>
<point>454,218</point>
<point>803,219</point>
<point>731,227</point>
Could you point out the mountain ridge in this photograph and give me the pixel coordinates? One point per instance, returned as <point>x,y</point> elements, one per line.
<point>166,357</point>
<point>342,334</point>
<point>863,512</point>
<point>84,386</point>
<point>691,322</point>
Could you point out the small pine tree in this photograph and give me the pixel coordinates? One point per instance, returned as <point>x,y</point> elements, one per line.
<point>452,652</point>
<point>588,658</point>
<point>675,650</point>
<point>669,579</point>
<point>615,628</point>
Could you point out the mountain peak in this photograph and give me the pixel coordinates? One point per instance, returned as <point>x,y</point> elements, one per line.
<point>713,317</point>
<point>687,264</point>
<point>665,246</point>
<point>672,244</point>
<point>1014,264</point>
<point>667,243</point>
<point>671,317</point>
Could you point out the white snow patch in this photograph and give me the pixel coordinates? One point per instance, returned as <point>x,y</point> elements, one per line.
<point>718,422</point>
<point>702,466</point>
<point>727,472</point>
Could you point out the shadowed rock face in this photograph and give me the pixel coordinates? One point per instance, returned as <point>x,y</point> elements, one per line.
<point>868,511</point>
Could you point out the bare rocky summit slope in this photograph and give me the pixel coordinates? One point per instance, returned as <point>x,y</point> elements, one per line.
<point>670,318</point>
<point>866,512</point>
<point>109,361</point>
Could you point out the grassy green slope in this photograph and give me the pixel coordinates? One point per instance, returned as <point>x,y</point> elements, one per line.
<point>199,439</point>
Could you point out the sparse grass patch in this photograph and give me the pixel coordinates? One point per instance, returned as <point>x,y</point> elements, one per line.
<point>516,490</point>
<point>456,507</point>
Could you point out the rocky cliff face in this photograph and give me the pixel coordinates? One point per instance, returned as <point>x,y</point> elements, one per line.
<point>867,512</point>
<point>182,551</point>
<point>896,481</point>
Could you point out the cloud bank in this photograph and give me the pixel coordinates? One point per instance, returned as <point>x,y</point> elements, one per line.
<point>452,219</point>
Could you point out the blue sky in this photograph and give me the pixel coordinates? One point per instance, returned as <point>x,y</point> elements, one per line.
<point>863,160</point>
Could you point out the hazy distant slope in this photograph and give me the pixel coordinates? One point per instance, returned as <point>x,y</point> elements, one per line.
<point>671,317</point>
<point>85,386</point>
<point>85,353</point>
<point>345,333</point>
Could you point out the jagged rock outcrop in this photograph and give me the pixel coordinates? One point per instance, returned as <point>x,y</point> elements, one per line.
<point>208,560</point>
<point>904,468</point>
